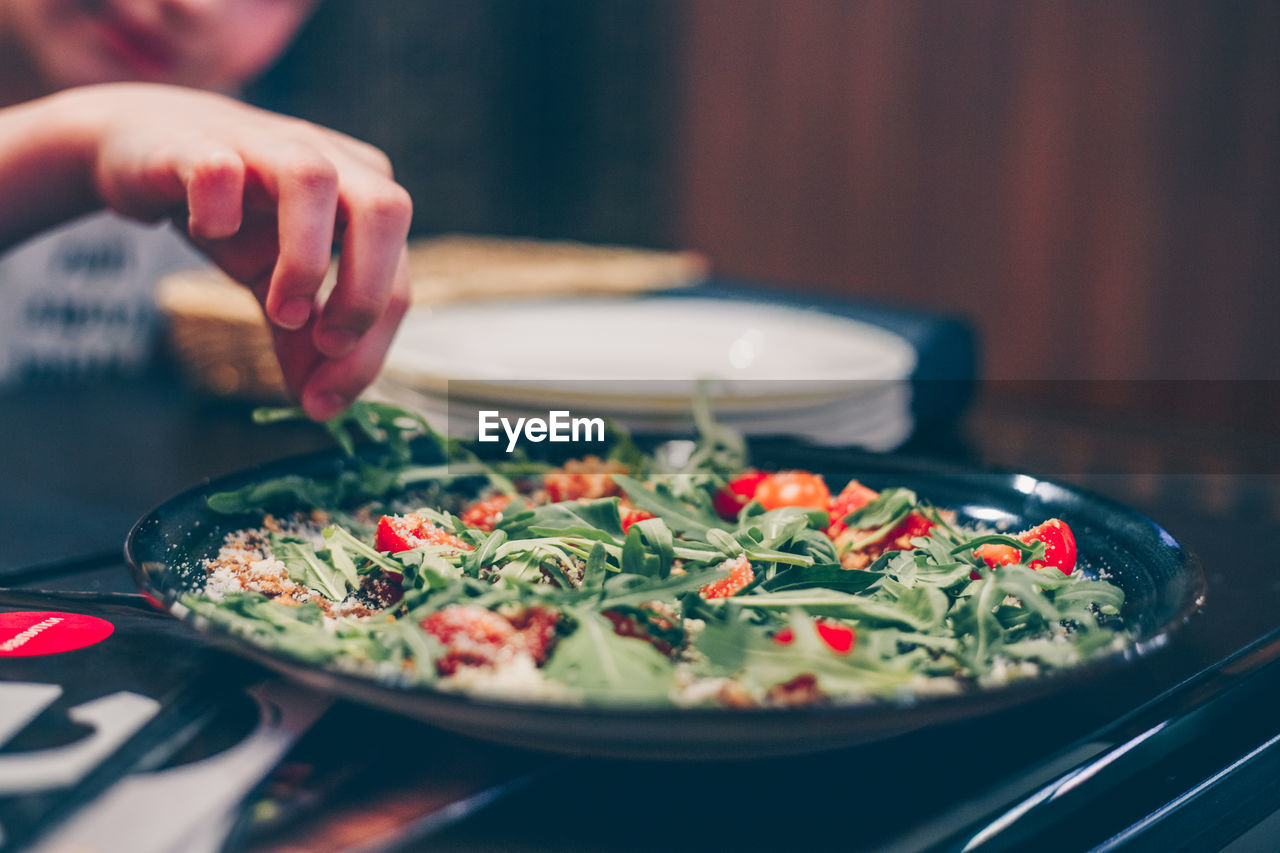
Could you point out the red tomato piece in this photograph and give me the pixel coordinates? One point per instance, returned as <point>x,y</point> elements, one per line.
<point>485,514</point>
<point>460,623</point>
<point>852,498</point>
<point>398,533</point>
<point>474,636</point>
<point>740,576</point>
<point>839,638</point>
<point>635,516</point>
<point>915,524</point>
<point>801,690</point>
<point>1059,548</point>
<point>793,488</point>
<point>395,533</point>
<point>1059,545</point>
<point>627,625</point>
<point>537,630</point>
<point>730,500</point>
<point>994,554</point>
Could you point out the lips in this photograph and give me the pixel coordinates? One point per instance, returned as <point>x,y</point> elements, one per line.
<point>143,51</point>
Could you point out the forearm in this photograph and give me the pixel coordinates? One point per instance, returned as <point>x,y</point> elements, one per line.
<point>46,156</point>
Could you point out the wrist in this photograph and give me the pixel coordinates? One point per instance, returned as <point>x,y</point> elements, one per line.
<point>47,148</point>
<point>73,124</point>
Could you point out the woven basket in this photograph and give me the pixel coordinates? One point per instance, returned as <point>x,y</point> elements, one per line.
<point>217,332</point>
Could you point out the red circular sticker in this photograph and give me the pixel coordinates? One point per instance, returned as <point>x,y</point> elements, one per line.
<point>28,633</point>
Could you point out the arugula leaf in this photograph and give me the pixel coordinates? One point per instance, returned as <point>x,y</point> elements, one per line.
<point>418,647</point>
<point>591,519</point>
<point>1054,652</point>
<point>926,605</point>
<point>779,526</point>
<point>1100,594</point>
<point>597,566</point>
<point>307,568</point>
<point>736,648</point>
<point>724,543</point>
<point>296,632</point>
<point>830,602</point>
<point>721,450</point>
<point>336,554</point>
<point>1029,551</point>
<point>824,575</point>
<point>977,627</point>
<point>887,509</point>
<point>340,536</point>
<point>256,497</point>
<point>637,589</point>
<point>485,553</point>
<point>817,545</point>
<point>380,422</point>
<point>633,556</point>
<point>679,515</point>
<point>764,555</point>
<point>608,668</point>
<point>659,540</point>
<point>430,565</point>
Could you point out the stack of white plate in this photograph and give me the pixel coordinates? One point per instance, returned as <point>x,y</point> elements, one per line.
<point>766,369</point>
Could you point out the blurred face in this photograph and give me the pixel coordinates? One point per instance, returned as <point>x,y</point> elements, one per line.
<point>206,44</point>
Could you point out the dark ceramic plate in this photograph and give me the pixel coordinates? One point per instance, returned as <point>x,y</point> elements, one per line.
<point>1162,581</point>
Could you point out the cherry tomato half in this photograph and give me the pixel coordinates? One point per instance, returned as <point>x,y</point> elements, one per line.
<point>486,514</point>
<point>730,500</point>
<point>793,488</point>
<point>994,554</point>
<point>398,533</point>
<point>1059,545</point>
<point>1059,548</point>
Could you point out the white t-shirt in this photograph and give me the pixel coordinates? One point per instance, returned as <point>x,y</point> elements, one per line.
<point>79,299</point>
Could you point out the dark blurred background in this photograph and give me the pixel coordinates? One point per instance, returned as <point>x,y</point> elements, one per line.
<point>1096,185</point>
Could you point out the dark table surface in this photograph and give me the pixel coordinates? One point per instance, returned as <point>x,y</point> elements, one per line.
<point>78,465</point>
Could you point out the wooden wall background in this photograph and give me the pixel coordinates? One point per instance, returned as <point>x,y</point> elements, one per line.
<point>1096,184</point>
<point>547,118</point>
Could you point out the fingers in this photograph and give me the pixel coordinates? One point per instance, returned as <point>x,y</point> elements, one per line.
<point>305,185</point>
<point>213,174</point>
<point>378,214</point>
<point>264,200</point>
<point>298,358</point>
<point>333,384</point>
<point>292,202</point>
<point>249,256</point>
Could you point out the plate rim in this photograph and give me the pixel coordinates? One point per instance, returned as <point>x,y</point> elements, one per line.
<point>904,354</point>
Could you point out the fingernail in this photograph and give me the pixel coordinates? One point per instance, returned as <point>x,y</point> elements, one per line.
<point>293,313</point>
<point>336,343</point>
<point>321,407</point>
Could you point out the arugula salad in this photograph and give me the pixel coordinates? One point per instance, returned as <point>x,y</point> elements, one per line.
<point>681,577</point>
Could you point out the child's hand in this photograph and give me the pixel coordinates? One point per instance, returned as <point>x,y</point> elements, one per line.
<point>267,197</point>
